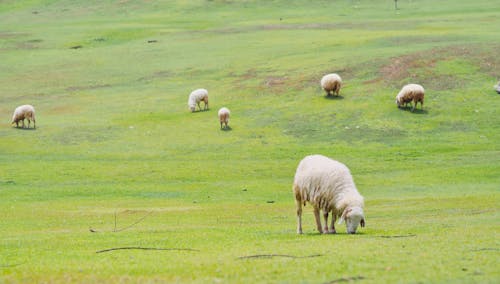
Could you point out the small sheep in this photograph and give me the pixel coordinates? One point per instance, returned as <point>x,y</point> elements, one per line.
<point>409,93</point>
<point>331,83</point>
<point>224,117</point>
<point>328,186</point>
<point>497,87</point>
<point>196,97</point>
<point>24,112</point>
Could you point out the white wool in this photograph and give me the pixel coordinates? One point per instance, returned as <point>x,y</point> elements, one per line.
<point>196,97</point>
<point>24,112</point>
<point>327,185</point>
<point>407,93</point>
<point>224,114</point>
<point>331,82</point>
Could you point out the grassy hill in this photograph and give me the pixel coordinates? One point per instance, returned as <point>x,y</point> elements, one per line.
<point>117,160</point>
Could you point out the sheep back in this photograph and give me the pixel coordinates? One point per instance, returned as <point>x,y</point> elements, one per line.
<point>326,184</point>
<point>23,112</point>
<point>410,93</point>
<point>331,83</point>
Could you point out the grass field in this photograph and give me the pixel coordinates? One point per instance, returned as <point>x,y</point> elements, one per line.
<point>117,160</point>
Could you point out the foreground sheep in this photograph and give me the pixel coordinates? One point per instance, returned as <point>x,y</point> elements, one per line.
<point>196,97</point>
<point>328,186</point>
<point>497,87</point>
<point>331,83</point>
<point>224,117</point>
<point>24,112</point>
<point>411,93</point>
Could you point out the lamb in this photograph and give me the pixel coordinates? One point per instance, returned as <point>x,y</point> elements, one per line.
<point>224,117</point>
<point>409,93</point>
<point>328,186</point>
<point>24,112</point>
<point>196,97</point>
<point>331,83</point>
<point>497,87</point>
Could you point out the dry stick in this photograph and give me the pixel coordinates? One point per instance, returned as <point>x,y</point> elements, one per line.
<point>347,279</point>
<point>143,248</point>
<point>11,265</point>
<point>135,223</point>
<point>277,255</point>
<point>397,236</point>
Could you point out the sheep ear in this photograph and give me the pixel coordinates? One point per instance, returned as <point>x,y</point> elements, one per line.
<point>362,223</point>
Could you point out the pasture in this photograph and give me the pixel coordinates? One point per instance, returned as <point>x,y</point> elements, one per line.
<point>117,160</point>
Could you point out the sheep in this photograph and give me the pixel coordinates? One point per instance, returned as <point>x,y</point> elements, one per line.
<point>331,83</point>
<point>328,186</point>
<point>409,93</point>
<point>196,97</point>
<point>24,112</point>
<point>224,117</point>
<point>497,87</point>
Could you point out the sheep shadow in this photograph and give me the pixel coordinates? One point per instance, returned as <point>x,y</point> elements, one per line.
<point>201,111</point>
<point>333,98</point>
<point>24,128</point>
<point>228,128</point>
<point>336,234</point>
<point>416,111</point>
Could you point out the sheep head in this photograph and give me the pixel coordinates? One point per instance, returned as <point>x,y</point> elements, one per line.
<point>353,217</point>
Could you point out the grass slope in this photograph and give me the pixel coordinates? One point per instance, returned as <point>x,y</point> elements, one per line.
<point>115,142</point>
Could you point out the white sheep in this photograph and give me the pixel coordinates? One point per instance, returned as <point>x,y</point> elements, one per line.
<point>24,112</point>
<point>196,97</point>
<point>224,117</point>
<point>497,87</point>
<point>331,83</point>
<point>328,186</point>
<point>409,93</point>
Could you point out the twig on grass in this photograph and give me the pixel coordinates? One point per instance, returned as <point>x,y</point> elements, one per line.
<point>115,230</point>
<point>133,224</point>
<point>11,265</point>
<point>144,248</point>
<point>345,279</point>
<point>277,255</point>
<point>485,249</point>
<point>397,236</point>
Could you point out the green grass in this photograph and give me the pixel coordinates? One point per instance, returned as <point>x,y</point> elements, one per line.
<point>115,140</point>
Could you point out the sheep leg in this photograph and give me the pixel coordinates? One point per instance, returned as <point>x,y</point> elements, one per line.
<point>29,123</point>
<point>199,107</point>
<point>332,226</point>
<point>299,216</point>
<point>23,122</point>
<point>318,220</point>
<point>325,216</point>
<point>221,125</point>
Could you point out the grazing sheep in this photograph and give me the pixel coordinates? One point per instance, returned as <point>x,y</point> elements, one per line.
<point>409,93</point>
<point>497,87</point>
<point>331,83</point>
<point>224,117</point>
<point>196,97</point>
<point>24,112</point>
<point>328,186</point>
